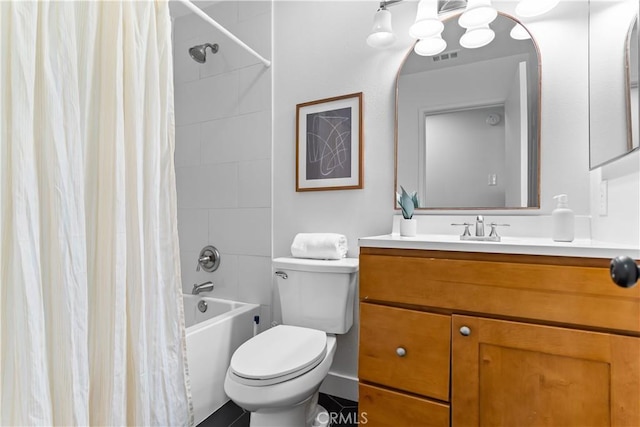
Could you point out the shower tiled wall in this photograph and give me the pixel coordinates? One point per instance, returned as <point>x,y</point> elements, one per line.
<point>223,151</point>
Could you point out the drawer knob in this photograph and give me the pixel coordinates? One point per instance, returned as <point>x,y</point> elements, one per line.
<point>400,351</point>
<point>465,331</point>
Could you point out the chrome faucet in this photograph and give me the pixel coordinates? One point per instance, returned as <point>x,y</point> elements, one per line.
<point>480,233</point>
<point>479,226</point>
<point>203,287</point>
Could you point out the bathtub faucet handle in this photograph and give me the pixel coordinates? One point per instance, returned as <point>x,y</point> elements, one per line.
<point>203,287</point>
<point>209,259</point>
<point>203,260</point>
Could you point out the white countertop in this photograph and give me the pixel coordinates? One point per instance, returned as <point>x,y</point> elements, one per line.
<point>509,245</point>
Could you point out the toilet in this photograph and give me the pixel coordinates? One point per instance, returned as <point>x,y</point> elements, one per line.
<point>276,375</point>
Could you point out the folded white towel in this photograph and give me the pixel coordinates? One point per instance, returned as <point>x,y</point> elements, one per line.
<point>319,246</point>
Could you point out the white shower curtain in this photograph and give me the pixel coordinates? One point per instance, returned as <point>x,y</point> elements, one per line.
<point>91,321</point>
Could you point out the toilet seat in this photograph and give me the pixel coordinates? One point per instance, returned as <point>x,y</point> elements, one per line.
<point>277,355</point>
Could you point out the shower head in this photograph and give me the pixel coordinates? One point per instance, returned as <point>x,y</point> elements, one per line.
<point>199,52</point>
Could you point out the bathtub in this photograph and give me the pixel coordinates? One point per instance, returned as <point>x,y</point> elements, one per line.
<point>212,337</point>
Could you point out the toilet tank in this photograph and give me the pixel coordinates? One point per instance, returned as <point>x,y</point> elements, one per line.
<point>317,294</point>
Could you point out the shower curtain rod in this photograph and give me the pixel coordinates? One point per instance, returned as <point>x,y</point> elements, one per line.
<point>195,9</point>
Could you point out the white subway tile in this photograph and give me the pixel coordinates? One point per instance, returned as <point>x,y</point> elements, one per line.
<point>221,185</point>
<point>225,278</point>
<point>241,231</point>
<point>254,284</point>
<point>207,99</point>
<point>255,32</point>
<point>221,140</point>
<point>254,89</point>
<point>254,184</point>
<point>187,188</point>
<point>187,26</point>
<point>185,69</point>
<point>220,62</point>
<point>255,136</point>
<point>187,145</point>
<point>251,9</point>
<point>208,186</point>
<point>193,229</point>
<point>223,12</point>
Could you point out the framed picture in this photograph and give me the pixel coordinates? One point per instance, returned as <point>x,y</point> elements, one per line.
<point>329,144</point>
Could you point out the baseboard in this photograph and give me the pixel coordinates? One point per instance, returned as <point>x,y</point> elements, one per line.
<point>341,386</point>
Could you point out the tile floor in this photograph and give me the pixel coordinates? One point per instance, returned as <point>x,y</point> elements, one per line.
<point>343,413</point>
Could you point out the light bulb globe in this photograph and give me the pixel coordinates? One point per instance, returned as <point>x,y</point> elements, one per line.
<point>381,35</point>
<point>426,28</point>
<point>477,37</point>
<point>431,46</point>
<point>477,13</point>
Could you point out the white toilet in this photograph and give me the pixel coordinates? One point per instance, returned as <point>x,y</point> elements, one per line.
<point>276,375</point>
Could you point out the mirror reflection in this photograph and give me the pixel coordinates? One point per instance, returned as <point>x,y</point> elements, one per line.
<point>613,80</point>
<point>467,129</point>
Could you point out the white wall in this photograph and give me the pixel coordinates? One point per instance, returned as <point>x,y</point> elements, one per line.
<point>621,223</point>
<point>223,152</point>
<point>320,52</point>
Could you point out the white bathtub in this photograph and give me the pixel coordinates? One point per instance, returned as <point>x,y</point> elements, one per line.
<point>212,337</point>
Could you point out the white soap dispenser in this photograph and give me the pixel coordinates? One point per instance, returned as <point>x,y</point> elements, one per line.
<point>563,220</point>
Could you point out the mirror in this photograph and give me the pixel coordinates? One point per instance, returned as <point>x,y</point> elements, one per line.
<point>468,123</point>
<point>613,80</point>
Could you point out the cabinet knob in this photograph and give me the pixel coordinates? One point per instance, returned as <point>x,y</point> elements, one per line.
<point>400,351</point>
<point>465,331</point>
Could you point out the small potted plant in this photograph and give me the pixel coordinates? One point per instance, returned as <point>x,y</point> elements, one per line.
<point>407,202</point>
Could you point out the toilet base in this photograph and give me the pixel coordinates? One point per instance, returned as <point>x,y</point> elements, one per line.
<point>321,418</point>
<point>307,413</point>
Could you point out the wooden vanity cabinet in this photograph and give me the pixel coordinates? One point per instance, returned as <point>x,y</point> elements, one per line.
<point>475,339</point>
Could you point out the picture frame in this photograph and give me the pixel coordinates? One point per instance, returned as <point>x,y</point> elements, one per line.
<point>329,144</point>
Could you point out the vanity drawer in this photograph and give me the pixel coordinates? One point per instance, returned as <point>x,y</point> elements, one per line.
<point>405,349</point>
<point>568,290</point>
<point>381,407</point>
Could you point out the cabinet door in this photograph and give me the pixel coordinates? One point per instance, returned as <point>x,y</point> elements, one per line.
<point>516,374</point>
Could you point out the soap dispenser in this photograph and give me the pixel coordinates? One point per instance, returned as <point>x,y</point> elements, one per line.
<point>563,220</point>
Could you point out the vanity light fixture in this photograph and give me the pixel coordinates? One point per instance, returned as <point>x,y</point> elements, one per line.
<point>428,27</point>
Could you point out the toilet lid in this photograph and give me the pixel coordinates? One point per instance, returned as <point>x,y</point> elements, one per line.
<point>279,353</point>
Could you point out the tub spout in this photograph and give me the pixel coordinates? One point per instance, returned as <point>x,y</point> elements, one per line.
<point>203,287</point>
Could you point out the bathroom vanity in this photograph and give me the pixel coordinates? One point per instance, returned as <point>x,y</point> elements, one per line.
<point>527,335</point>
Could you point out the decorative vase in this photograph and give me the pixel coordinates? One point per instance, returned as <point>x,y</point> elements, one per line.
<point>408,227</point>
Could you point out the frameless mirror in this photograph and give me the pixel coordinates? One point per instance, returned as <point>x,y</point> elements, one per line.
<point>468,122</point>
<point>613,80</point>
